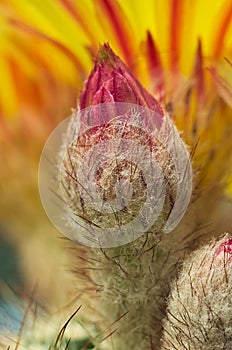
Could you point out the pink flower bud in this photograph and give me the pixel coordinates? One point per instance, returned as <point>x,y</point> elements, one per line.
<point>123,168</point>
<point>111,81</point>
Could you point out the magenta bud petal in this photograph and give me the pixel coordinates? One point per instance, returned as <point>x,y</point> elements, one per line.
<point>103,95</point>
<point>111,81</point>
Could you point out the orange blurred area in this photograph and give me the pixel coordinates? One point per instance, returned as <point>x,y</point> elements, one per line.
<point>176,49</point>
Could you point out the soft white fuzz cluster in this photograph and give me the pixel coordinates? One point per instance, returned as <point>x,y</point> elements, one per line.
<point>199,312</point>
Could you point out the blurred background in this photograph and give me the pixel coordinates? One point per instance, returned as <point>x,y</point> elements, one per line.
<point>175,48</point>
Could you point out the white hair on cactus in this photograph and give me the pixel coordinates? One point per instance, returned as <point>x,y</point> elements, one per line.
<point>199,312</point>
<point>104,184</point>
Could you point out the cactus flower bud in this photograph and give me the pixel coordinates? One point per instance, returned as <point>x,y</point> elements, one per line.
<point>123,169</point>
<point>200,305</point>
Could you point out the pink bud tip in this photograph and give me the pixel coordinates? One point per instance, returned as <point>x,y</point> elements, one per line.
<point>224,251</point>
<point>111,81</point>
